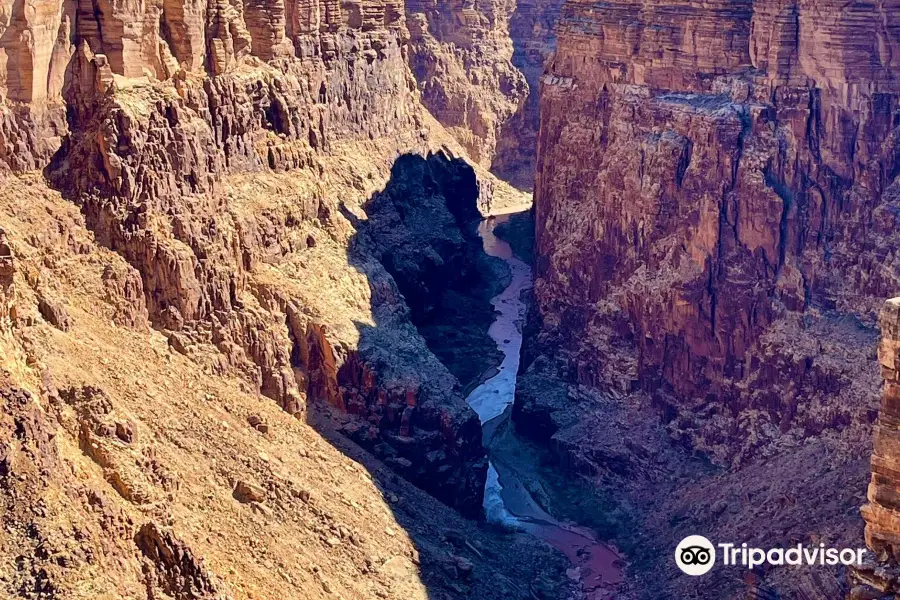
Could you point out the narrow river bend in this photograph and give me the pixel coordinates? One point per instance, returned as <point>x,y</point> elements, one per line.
<point>506,501</point>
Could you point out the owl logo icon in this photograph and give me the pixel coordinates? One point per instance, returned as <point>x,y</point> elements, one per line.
<point>695,555</point>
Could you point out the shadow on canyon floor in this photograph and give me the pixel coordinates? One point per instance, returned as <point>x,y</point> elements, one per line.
<point>400,409</point>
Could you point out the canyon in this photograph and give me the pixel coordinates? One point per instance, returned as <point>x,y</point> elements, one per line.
<point>715,220</point>
<point>214,386</point>
<point>268,329</point>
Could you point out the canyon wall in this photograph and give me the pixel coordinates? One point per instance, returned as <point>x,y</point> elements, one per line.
<point>716,208</point>
<point>882,513</point>
<point>222,150</point>
<point>533,31</point>
<point>35,48</point>
<point>479,67</point>
<point>460,53</point>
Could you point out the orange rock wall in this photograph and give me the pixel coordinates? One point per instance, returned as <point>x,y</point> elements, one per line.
<point>882,514</point>
<point>173,126</point>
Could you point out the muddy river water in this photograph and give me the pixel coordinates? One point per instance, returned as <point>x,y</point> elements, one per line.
<point>507,502</point>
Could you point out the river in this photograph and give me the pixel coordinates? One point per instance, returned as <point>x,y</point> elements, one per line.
<point>595,565</point>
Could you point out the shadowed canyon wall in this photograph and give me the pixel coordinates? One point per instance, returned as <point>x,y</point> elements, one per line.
<point>716,186</point>
<point>479,67</point>
<point>533,31</point>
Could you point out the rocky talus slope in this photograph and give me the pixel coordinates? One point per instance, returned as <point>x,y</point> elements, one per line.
<point>222,265</point>
<point>714,180</point>
<point>130,470</point>
<point>184,287</point>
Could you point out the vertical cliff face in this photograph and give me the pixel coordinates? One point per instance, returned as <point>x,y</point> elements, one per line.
<point>460,53</point>
<point>35,47</point>
<point>713,180</point>
<point>532,29</point>
<point>882,513</point>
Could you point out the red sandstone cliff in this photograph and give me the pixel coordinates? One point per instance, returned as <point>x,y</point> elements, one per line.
<point>715,181</point>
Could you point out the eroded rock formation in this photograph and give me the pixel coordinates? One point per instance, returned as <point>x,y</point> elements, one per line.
<point>171,567</point>
<point>716,181</point>
<point>882,513</point>
<point>460,53</point>
<point>421,229</point>
<point>532,28</point>
<point>35,47</point>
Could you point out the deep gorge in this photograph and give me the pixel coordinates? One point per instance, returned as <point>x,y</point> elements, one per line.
<point>274,324</point>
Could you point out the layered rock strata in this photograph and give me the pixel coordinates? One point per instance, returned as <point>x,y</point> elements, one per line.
<point>460,53</point>
<point>192,243</point>
<point>714,180</point>
<point>478,66</point>
<point>532,28</point>
<point>35,47</point>
<point>219,148</point>
<point>882,512</point>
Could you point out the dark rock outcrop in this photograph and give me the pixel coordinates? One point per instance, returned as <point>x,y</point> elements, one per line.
<point>421,229</point>
<point>172,569</point>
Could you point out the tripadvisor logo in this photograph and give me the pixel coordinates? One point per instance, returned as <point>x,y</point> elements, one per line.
<point>696,555</point>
